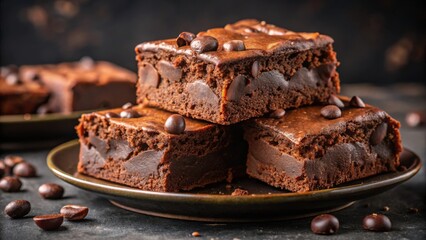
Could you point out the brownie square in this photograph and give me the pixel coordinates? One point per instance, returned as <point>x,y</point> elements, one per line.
<point>304,151</point>
<point>244,70</point>
<point>139,152</point>
<point>84,85</point>
<point>18,96</point>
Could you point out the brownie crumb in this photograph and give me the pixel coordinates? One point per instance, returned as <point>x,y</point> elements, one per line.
<point>413,210</point>
<point>239,192</point>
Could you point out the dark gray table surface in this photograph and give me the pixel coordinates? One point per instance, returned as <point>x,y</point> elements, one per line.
<point>108,222</point>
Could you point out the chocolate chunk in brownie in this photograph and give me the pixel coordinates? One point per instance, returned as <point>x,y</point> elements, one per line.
<point>244,70</point>
<point>142,152</point>
<point>18,96</point>
<point>304,151</point>
<point>84,85</point>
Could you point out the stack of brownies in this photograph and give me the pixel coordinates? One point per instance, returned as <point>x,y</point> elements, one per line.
<point>250,98</point>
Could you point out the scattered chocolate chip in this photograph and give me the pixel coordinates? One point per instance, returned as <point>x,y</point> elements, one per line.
<point>17,208</point>
<point>377,223</point>
<point>74,212</point>
<point>111,115</point>
<point>385,209</point>
<point>10,184</point>
<point>415,119</point>
<point>127,105</point>
<point>325,224</point>
<point>234,45</point>
<point>148,75</point>
<point>51,191</point>
<point>87,63</point>
<point>379,134</point>
<point>334,100</point>
<point>239,192</point>
<point>49,222</point>
<point>184,39</point>
<point>413,210</point>
<point>196,234</point>
<point>255,69</point>
<point>24,169</point>
<point>204,44</point>
<point>4,169</point>
<point>357,102</point>
<point>236,88</point>
<point>279,113</point>
<point>168,71</point>
<point>12,160</point>
<point>331,112</point>
<point>129,114</point>
<point>175,124</point>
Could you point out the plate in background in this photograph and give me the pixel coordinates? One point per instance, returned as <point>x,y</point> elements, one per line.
<point>214,202</point>
<point>32,131</point>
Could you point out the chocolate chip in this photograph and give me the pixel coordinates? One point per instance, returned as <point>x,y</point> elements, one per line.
<point>279,113</point>
<point>379,134</point>
<point>357,102</point>
<point>6,70</point>
<point>49,222</point>
<point>415,119</point>
<point>87,63</point>
<point>127,105</point>
<point>184,39</point>
<point>204,44</point>
<point>236,88</point>
<point>129,114</point>
<point>331,112</point>
<point>51,191</point>
<point>148,75</point>
<point>334,100</point>
<point>13,79</point>
<point>196,234</point>
<point>168,71</point>
<point>377,223</point>
<point>234,45</point>
<point>25,170</point>
<point>4,170</point>
<point>111,115</point>
<point>74,212</point>
<point>175,124</point>
<point>325,224</point>
<point>17,208</point>
<point>255,69</point>
<point>10,184</point>
<point>12,160</point>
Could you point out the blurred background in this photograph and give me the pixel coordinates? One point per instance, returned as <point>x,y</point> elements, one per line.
<point>379,42</point>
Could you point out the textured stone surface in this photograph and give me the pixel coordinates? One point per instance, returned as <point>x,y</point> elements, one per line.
<point>105,221</point>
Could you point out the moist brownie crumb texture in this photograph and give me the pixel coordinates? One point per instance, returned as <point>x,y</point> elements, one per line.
<point>256,99</point>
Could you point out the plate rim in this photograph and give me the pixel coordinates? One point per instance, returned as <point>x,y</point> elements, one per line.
<point>134,193</point>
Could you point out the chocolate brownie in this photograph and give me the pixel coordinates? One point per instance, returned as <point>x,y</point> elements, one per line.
<point>84,85</point>
<point>156,150</point>
<point>18,96</point>
<point>244,70</point>
<point>318,147</point>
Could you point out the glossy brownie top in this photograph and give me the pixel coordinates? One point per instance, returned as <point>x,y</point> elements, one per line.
<point>146,119</point>
<point>300,123</point>
<point>251,38</point>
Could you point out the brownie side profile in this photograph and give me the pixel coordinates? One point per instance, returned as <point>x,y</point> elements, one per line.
<point>244,70</point>
<point>304,151</point>
<point>18,96</point>
<point>139,152</point>
<point>85,85</point>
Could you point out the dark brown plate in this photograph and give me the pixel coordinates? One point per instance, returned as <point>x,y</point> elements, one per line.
<point>32,131</point>
<point>215,204</point>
